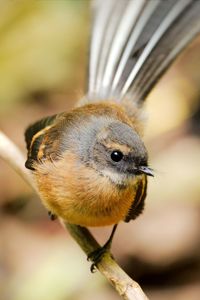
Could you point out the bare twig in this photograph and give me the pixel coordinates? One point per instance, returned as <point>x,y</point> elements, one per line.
<point>127,288</point>
<point>11,154</point>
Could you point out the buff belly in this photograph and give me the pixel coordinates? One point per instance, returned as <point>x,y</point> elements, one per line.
<point>86,200</point>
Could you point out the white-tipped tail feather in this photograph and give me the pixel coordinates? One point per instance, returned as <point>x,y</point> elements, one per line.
<point>134,41</point>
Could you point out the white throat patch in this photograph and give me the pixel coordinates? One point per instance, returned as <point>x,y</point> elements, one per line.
<point>115,177</point>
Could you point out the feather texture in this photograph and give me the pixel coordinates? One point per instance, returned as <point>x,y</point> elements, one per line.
<point>133,43</point>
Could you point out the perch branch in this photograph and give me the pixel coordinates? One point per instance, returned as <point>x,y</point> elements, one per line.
<point>10,153</point>
<point>127,288</point>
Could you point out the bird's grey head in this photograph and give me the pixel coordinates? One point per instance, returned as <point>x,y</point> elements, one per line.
<point>118,152</point>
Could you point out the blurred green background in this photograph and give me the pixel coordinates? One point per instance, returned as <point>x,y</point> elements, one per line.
<point>43,61</point>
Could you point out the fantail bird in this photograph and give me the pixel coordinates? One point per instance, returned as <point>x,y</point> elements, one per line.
<point>90,164</point>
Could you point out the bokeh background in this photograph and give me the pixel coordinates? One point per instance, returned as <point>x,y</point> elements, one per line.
<point>43,60</point>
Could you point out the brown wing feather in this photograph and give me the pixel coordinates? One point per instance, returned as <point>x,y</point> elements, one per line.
<point>36,127</point>
<point>35,138</point>
<point>138,203</point>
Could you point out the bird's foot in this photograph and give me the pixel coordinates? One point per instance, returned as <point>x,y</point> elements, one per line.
<point>96,256</point>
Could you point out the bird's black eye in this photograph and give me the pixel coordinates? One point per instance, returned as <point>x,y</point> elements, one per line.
<point>116,155</point>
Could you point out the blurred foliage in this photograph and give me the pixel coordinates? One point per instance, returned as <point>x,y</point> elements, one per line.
<point>43,59</point>
<point>41,46</point>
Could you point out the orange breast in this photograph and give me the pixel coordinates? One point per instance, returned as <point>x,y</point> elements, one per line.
<point>82,196</point>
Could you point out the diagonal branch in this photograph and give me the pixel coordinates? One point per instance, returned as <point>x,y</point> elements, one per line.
<point>127,288</point>
<point>11,154</point>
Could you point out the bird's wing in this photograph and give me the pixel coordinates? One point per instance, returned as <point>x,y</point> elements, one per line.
<point>138,203</point>
<point>133,42</point>
<point>33,129</point>
<point>38,143</point>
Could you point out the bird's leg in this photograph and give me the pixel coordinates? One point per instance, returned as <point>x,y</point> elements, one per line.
<point>52,216</point>
<point>97,254</point>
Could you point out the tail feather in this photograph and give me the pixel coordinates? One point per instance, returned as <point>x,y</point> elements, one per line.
<point>177,29</point>
<point>107,39</point>
<point>134,42</point>
<point>125,26</point>
<point>187,27</point>
<point>112,24</point>
<point>101,16</point>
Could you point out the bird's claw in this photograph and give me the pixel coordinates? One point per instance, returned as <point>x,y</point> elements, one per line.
<point>96,256</point>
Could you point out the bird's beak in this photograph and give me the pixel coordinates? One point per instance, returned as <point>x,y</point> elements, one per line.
<point>146,170</point>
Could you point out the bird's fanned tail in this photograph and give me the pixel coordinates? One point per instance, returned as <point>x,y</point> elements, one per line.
<point>134,42</point>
